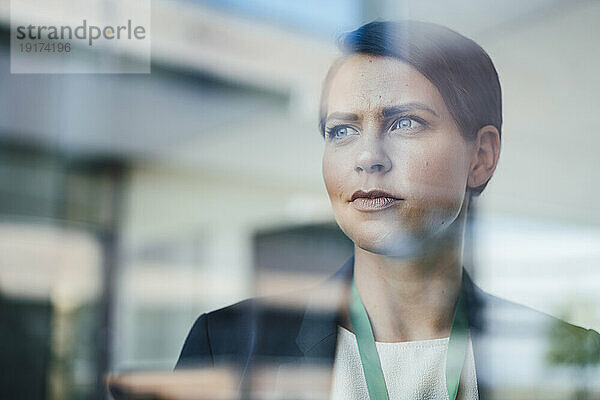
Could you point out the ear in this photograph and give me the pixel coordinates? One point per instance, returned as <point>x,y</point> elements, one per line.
<point>486,151</point>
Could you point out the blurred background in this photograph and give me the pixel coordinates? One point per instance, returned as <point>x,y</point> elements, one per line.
<point>132,203</point>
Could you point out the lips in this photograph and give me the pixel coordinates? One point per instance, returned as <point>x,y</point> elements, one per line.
<point>371,194</point>
<point>373,200</point>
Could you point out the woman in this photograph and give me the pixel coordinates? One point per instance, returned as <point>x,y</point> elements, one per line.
<point>411,116</point>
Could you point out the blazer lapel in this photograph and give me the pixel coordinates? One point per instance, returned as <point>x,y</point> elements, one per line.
<point>316,339</point>
<point>476,312</point>
<point>317,336</point>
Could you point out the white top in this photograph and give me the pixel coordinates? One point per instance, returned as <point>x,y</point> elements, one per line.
<point>412,370</point>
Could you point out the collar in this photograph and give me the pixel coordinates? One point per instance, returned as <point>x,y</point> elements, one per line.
<point>318,330</point>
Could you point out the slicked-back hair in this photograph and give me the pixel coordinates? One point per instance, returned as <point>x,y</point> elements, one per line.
<point>460,69</point>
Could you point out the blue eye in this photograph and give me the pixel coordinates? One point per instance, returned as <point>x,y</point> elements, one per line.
<point>406,124</point>
<point>340,132</point>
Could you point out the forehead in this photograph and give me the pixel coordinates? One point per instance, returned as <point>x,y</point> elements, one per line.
<point>364,83</point>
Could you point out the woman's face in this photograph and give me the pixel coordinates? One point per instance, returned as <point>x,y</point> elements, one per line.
<point>389,130</point>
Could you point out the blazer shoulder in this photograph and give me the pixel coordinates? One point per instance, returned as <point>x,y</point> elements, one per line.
<point>566,343</point>
<point>209,327</point>
<point>196,348</point>
<point>259,326</point>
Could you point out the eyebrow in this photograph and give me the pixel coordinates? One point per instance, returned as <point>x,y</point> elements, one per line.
<point>403,108</point>
<point>342,116</point>
<point>387,112</point>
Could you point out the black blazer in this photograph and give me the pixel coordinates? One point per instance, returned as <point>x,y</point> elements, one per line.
<point>519,352</point>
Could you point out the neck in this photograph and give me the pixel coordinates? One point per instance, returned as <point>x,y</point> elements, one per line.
<point>412,298</point>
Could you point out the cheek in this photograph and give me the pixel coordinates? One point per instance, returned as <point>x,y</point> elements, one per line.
<point>437,177</point>
<point>335,175</point>
<point>439,172</point>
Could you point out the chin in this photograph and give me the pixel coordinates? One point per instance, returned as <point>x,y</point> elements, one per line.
<point>378,237</point>
<point>390,243</point>
<point>405,248</point>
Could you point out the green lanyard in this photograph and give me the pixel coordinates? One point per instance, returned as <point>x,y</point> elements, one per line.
<point>457,347</point>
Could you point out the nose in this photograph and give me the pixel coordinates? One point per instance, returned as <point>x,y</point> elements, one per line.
<point>372,158</point>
